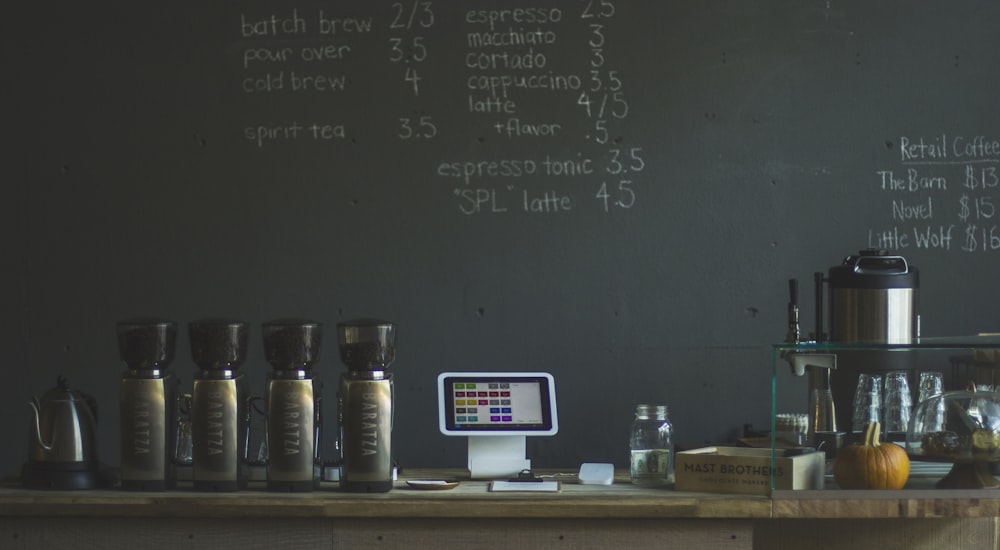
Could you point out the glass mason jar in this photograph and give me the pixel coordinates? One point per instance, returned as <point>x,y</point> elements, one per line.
<point>652,446</point>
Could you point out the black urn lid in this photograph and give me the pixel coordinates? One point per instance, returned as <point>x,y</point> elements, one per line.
<point>874,268</point>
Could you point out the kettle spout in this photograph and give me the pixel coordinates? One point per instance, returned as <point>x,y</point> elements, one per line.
<point>38,424</point>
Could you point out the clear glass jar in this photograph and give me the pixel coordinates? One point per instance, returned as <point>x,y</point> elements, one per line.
<point>652,446</point>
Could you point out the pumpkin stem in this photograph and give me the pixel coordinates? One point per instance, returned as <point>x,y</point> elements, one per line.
<point>872,434</point>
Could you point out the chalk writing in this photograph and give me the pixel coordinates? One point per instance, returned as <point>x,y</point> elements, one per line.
<point>468,171</point>
<point>922,189</point>
<point>547,77</point>
<point>291,131</point>
<point>948,150</point>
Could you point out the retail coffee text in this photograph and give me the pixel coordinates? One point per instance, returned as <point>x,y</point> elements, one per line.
<point>944,148</point>
<point>940,195</point>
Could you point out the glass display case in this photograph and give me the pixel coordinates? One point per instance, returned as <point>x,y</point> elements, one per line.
<point>934,397</point>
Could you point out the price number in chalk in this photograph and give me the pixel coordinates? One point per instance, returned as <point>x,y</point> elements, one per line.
<point>401,51</point>
<point>624,161</point>
<point>978,208</point>
<point>622,197</point>
<point>981,177</point>
<point>417,128</point>
<point>414,51</point>
<point>596,36</point>
<point>600,105</point>
<point>596,43</point>
<point>413,78</point>
<point>981,238</point>
<point>608,81</point>
<point>406,15</point>
<point>621,162</point>
<point>598,9</point>
<point>597,57</point>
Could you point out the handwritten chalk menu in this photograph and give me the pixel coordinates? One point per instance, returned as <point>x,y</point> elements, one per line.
<point>610,190</point>
<point>537,100</point>
<point>941,194</point>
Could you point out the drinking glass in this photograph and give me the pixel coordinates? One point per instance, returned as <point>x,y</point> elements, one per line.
<point>823,433</point>
<point>898,402</point>
<point>867,401</point>
<point>932,417</point>
<point>931,383</point>
<point>791,428</point>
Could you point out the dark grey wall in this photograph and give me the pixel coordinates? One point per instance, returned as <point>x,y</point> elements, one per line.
<point>756,143</point>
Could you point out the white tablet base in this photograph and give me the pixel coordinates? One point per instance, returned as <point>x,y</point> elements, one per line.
<point>497,456</point>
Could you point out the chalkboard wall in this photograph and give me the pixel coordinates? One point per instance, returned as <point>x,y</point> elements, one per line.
<point>613,191</point>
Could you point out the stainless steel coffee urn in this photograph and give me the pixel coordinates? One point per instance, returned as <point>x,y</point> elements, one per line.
<point>367,347</point>
<point>218,401</point>
<point>292,347</point>
<point>148,404</point>
<point>873,299</point>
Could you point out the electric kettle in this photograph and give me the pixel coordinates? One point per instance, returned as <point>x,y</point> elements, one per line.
<point>62,441</point>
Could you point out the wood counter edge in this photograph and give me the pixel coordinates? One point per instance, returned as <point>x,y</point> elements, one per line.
<point>888,504</point>
<point>471,500</point>
<point>475,502</point>
<point>331,509</point>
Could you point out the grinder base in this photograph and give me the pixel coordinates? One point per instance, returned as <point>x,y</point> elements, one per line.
<point>366,486</point>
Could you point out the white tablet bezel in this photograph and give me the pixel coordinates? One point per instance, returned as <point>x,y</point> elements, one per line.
<point>548,396</point>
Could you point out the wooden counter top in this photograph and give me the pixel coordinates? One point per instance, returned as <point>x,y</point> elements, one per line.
<point>471,499</point>
<point>918,499</point>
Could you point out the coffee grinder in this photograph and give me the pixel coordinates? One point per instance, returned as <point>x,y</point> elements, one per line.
<point>292,347</point>
<point>148,401</point>
<point>218,425</point>
<point>367,347</point>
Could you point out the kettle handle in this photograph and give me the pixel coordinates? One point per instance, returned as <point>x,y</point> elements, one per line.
<point>91,403</point>
<point>36,407</point>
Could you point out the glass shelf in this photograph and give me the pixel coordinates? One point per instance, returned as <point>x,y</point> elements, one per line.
<point>971,342</point>
<point>959,358</point>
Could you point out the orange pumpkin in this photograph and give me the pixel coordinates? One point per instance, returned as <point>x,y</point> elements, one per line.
<point>871,464</point>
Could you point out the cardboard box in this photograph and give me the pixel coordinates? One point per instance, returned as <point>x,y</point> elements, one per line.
<point>745,470</point>
<point>986,355</point>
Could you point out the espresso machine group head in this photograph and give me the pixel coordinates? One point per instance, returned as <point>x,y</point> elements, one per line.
<point>367,348</point>
<point>148,401</point>
<point>292,347</point>
<point>218,425</point>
